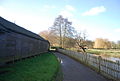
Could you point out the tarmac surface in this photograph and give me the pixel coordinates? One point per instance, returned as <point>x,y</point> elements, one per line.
<point>74,71</point>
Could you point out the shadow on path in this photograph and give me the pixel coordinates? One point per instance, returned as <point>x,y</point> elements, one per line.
<point>74,71</point>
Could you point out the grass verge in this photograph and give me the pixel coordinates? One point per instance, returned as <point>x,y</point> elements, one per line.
<point>107,53</point>
<point>39,68</point>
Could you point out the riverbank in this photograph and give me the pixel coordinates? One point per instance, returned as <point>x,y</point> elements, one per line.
<point>105,52</point>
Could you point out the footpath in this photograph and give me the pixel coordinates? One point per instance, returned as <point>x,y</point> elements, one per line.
<point>74,71</point>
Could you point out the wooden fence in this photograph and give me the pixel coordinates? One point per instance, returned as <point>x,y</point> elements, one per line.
<point>104,66</point>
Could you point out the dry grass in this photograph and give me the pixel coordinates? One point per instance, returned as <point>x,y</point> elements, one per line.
<point>106,52</point>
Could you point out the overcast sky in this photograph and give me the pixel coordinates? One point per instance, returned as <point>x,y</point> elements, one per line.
<point>99,18</point>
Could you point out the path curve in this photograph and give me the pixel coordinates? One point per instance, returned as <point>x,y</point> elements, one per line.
<point>74,71</point>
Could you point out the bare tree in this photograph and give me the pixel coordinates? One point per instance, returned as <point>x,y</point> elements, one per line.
<point>50,36</point>
<point>62,27</point>
<point>89,44</point>
<point>117,45</point>
<point>81,40</point>
<point>69,42</point>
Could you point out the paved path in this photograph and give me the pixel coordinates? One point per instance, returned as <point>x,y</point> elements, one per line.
<point>74,71</point>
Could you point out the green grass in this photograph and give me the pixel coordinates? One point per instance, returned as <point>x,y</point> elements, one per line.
<point>39,68</point>
<point>107,52</point>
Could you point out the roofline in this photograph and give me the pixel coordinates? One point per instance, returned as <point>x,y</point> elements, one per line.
<point>21,32</point>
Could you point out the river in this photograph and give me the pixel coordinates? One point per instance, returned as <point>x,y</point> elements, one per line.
<point>114,59</point>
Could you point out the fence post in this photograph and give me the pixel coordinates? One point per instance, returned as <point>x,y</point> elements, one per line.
<point>99,68</point>
<point>118,64</point>
<point>13,60</point>
<point>86,58</point>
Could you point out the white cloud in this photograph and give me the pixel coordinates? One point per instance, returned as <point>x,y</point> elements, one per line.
<point>94,32</point>
<point>69,8</point>
<point>67,11</point>
<point>39,23</point>
<point>31,22</point>
<point>2,10</point>
<point>6,14</point>
<point>34,23</point>
<point>94,11</point>
<point>49,6</point>
<point>117,30</point>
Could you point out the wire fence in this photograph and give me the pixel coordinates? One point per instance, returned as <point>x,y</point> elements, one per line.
<point>103,66</point>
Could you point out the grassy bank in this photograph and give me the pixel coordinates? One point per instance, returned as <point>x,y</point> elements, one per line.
<point>105,52</point>
<point>39,68</point>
